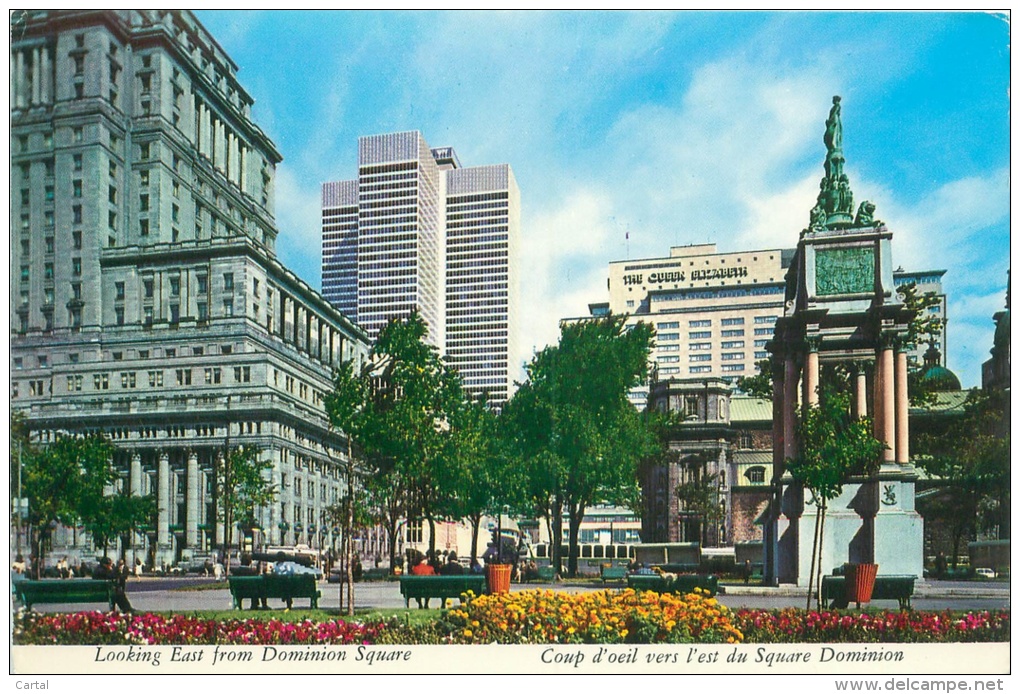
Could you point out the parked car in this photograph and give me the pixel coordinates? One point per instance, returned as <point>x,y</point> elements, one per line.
<point>984,573</point>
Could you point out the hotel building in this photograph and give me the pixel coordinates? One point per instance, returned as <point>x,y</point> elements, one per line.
<point>147,300</point>
<point>712,312</point>
<point>416,230</point>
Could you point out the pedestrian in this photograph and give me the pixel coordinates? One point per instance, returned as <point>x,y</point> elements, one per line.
<point>747,571</point>
<point>107,572</point>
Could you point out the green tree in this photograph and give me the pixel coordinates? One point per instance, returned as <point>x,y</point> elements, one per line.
<point>243,484</point>
<point>759,385</point>
<point>487,480</point>
<point>699,497</point>
<point>407,421</point>
<point>345,407</point>
<point>117,515</point>
<point>832,445</point>
<point>576,427</point>
<point>65,482</point>
<point>969,464</point>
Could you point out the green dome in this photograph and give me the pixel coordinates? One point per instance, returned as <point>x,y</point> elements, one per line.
<point>941,379</point>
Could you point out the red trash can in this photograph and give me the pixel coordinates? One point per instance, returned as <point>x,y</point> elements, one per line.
<point>860,582</point>
<point>498,576</point>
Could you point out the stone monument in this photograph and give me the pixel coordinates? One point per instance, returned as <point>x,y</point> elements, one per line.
<point>842,306</point>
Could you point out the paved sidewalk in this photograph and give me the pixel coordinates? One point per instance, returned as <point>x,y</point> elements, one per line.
<point>166,595</point>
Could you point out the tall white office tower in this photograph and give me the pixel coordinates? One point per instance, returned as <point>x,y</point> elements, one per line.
<point>417,231</point>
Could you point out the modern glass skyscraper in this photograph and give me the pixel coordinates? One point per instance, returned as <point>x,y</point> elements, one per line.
<point>416,230</point>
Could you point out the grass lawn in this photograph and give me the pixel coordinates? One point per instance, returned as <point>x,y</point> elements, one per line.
<point>414,616</point>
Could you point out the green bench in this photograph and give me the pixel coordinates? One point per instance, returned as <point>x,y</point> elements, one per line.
<point>612,572</point>
<point>547,573</point>
<point>441,587</point>
<point>683,584</point>
<point>286,587</point>
<point>891,587</point>
<point>72,590</point>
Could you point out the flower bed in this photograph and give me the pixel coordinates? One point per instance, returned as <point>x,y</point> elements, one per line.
<point>605,616</point>
<point>166,630</point>
<point>799,626</point>
<point>533,617</point>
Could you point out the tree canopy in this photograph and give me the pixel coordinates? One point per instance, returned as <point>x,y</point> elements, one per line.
<point>576,432</point>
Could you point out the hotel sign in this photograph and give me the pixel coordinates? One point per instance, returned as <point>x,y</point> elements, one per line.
<point>666,276</point>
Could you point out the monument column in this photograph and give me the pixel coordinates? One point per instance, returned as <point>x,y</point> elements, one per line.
<point>887,403</point>
<point>811,372</point>
<point>789,406</point>
<point>902,406</point>
<point>861,395</point>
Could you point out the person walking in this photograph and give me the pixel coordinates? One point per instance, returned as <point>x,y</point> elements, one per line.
<point>118,575</point>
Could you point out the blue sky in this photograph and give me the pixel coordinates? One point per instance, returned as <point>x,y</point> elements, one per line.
<point>674,127</point>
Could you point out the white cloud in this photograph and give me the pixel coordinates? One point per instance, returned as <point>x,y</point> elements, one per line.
<point>298,216</point>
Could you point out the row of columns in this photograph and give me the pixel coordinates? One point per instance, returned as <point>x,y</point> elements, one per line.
<point>32,66</point>
<point>221,145</point>
<point>296,327</point>
<point>889,396</point>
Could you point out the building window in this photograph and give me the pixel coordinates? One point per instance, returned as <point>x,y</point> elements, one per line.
<point>175,286</point>
<point>143,151</point>
<point>203,311</point>
<point>76,188</point>
<point>147,315</point>
<point>143,227</point>
<point>155,379</point>
<point>175,313</point>
<point>148,286</point>
<point>143,203</point>
<point>732,333</point>
<point>143,177</point>
<point>700,323</point>
<point>212,376</point>
<point>733,321</point>
<point>228,307</point>
<point>127,379</point>
<point>119,289</point>
<point>184,377</point>
<point>119,313</point>
<point>755,475</point>
<point>228,282</point>
<point>76,267</point>
<point>700,369</point>
<point>101,381</point>
<point>242,374</point>
<point>701,357</point>
<point>703,335</point>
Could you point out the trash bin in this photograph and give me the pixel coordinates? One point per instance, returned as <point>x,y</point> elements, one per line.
<point>498,576</point>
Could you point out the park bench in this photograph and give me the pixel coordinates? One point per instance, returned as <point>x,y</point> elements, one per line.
<point>73,590</point>
<point>683,584</point>
<point>612,572</point>
<point>285,587</point>
<point>890,587</point>
<point>547,573</point>
<point>441,587</point>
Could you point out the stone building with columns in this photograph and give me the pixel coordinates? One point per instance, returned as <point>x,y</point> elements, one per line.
<point>842,306</point>
<point>147,302</point>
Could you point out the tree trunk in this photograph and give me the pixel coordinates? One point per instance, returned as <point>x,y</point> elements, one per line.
<point>814,556</point>
<point>349,531</point>
<point>576,515</point>
<point>821,543</point>
<point>476,522</point>
<point>557,534</point>
<point>432,534</point>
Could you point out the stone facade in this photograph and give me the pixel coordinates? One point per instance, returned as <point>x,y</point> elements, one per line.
<point>148,301</point>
